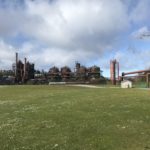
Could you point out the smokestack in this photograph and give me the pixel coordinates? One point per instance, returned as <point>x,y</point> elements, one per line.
<point>25,67</point>
<point>16,58</point>
<point>16,65</point>
<point>113,71</point>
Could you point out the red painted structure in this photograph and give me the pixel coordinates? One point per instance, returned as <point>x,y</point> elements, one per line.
<point>114,71</point>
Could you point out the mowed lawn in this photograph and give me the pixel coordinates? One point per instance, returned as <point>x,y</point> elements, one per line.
<point>74,118</point>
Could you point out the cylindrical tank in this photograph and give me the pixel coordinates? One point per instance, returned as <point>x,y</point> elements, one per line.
<point>65,70</point>
<point>53,70</point>
<point>54,74</point>
<point>95,69</point>
<point>65,73</point>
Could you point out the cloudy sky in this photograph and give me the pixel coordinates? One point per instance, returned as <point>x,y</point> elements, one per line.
<point>60,32</point>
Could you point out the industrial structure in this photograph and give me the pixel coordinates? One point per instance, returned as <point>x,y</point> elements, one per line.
<point>126,84</point>
<point>80,74</point>
<point>23,71</point>
<point>54,74</point>
<point>65,73</point>
<point>141,73</point>
<point>114,71</point>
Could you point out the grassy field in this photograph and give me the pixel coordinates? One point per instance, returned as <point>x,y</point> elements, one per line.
<point>74,118</point>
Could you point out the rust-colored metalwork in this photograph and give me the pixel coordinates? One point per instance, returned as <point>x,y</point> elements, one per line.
<point>135,72</point>
<point>65,73</point>
<point>20,71</point>
<point>87,74</point>
<point>23,71</point>
<point>54,74</point>
<point>81,73</point>
<point>93,72</point>
<point>114,71</point>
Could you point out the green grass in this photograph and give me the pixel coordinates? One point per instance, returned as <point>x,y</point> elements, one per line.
<point>74,118</point>
<point>140,84</point>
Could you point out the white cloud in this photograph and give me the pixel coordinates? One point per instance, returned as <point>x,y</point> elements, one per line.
<point>46,57</point>
<point>142,33</point>
<point>69,29</point>
<point>76,24</point>
<point>6,55</point>
<point>133,60</point>
<point>63,31</point>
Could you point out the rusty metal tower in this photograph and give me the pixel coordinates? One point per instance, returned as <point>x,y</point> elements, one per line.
<point>114,71</point>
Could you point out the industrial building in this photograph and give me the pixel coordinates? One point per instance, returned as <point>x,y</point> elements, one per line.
<point>80,74</point>
<point>138,74</point>
<point>23,71</point>
<point>126,84</point>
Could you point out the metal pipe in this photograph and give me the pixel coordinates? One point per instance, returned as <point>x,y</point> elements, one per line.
<point>113,71</point>
<point>135,76</point>
<point>134,72</point>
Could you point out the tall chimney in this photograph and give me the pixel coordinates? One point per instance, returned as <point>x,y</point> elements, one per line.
<point>16,70</point>
<point>25,68</point>
<point>113,71</point>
